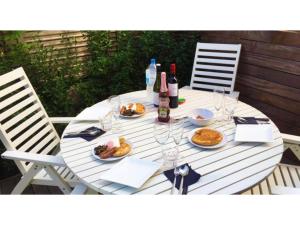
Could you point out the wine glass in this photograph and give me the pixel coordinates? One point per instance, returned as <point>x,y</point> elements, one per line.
<point>231,101</point>
<point>177,131</point>
<point>115,103</point>
<point>218,99</point>
<point>106,122</point>
<point>161,135</point>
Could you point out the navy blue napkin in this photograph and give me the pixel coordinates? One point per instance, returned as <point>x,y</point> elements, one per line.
<point>250,120</point>
<point>189,179</point>
<point>88,137</point>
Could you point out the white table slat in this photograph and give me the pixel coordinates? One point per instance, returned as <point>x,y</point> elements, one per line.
<point>214,172</point>
<point>153,144</point>
<point>80,148</point>
<point>245,184</point>
<point>193,156</point>
<point>233,148</point>
<point>230,169</point>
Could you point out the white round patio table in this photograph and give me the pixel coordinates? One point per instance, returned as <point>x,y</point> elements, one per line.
<point>230,169</point>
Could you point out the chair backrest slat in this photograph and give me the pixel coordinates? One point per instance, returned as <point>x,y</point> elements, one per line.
<point>215,65</point>
<point>50,146</point>
<point>24,123</point>
<point>42,145</point>
<point>35,140</point>
<point>10,89</point>
<point>13,75</point>
<point>21,115</point>
<point>34,129</point>
<point>16,97</point>
<point>17,107</point>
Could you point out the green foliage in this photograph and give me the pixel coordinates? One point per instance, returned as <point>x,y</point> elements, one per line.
<point>123,70</point>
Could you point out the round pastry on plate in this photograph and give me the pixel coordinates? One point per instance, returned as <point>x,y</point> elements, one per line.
<point>207,138</point>
<point>140,108</point>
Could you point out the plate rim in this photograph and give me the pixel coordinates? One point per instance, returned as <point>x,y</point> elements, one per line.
<point>133,116</point>
<point>221,144</point>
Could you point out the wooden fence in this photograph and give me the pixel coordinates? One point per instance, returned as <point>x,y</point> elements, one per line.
<point>269,72</point>
<point>57,40</point>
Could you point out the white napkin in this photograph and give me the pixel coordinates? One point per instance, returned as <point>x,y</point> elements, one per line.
<point>95,112</point>
<point>253,133</point>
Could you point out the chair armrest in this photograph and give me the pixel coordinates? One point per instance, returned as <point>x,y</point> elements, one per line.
<point>61,119</point>
<point>35,158</point>
<point>281,190</point>
<point>288,138</point>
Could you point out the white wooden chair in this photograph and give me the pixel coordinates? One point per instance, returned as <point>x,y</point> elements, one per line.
<point>30,137</point>
<point>286,178</point>
<point>215,65</point>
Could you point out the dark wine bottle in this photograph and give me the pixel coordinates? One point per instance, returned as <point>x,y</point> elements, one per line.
<point>156,87</point>
<point>173,87</point>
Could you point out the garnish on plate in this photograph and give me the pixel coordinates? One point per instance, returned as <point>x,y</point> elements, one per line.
<point>113,148</point>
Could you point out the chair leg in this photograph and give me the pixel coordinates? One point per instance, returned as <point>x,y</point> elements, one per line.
<point>26,179</point>
<point>61,183</point>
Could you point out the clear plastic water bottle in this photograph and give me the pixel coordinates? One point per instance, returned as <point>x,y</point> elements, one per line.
<point>152,70</point>
<point>148,87</point>
<point>152,78</point>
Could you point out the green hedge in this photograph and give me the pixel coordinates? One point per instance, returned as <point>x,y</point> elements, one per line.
<point>67,86</point>
<point>123,70</point>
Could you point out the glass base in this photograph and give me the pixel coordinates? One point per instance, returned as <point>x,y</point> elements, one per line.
<point>170,161</point>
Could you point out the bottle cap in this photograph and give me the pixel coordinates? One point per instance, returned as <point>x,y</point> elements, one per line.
<point>153,61</point>
<point>158,67</point>
<point>173,68</point>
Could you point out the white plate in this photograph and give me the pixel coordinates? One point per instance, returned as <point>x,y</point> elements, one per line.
<point>110,159</point>
<point>253,133</point>
<point>131,172</point>
<point>221,144</point>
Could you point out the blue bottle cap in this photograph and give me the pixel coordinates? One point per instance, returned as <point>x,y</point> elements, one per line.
<point>153,61</point>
